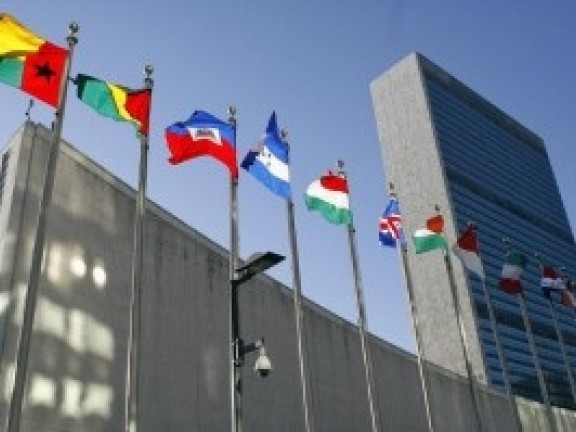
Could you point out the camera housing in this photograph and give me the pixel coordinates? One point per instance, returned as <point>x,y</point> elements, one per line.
<point>263,365</point>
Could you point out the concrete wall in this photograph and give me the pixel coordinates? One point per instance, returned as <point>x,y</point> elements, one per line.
<point>79,349</point>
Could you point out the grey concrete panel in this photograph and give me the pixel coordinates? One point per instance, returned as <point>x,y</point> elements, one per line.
<point>79,348</point>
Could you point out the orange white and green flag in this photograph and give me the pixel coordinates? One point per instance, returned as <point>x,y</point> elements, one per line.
<point>116,102</point>
<point>431,237</point>
<point>29,62</point>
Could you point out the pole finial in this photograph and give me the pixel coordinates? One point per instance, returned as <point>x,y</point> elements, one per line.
<point>232,115</point>
<point>538,257</point>
<point>340,165</point>
<point>73,29</point>
<point>148,81</point>
<point>507,244</point>
<point>30,105</point>
<point>391,190</point>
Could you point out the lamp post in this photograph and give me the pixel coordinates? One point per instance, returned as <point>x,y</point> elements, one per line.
<point>256,263</point>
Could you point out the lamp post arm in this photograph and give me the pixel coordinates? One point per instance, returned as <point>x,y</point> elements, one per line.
<point>241,349</point>
<point>246,349</point>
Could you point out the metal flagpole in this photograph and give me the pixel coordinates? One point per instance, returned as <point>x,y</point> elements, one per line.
<point>134,332</point>
<point>298,313</point>
<point>234,322</point>
<point>532,344</point>
<point>297,293</point>
<point>539,373</point>
<point>560,337</point>
<point>567,285</point>
<point>416,327</point>
<point>15,410</point>
<point>462,334</point>
<point>501,357</point>
<point>563,350</point>
<point>503,364</point>
<point>361,319</point>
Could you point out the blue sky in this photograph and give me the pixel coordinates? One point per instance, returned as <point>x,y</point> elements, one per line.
<point>312,62</point>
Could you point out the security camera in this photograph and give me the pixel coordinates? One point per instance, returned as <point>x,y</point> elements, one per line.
<point>263,366</point>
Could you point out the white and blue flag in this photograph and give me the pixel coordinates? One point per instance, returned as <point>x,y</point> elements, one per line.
<point>268,160</point>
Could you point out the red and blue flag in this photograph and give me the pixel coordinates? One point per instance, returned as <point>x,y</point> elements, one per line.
<point>203,135</point>
<point>391,230</point>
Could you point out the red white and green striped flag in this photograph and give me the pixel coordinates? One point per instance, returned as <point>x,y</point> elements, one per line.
<point>511,273</point>
<point>329,196</point>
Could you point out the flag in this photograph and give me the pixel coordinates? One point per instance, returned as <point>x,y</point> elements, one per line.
<point>268,161</point>
<point>116,102</point>
<point>329,196</point>
<point>550,280</point>
<point>29,62</point>
<point>511,272</point>
<point>567,298</point>
<point>466,248</point>
<point>571,285</point>
<point>431,237</point>
<point>391,230</point>
<point>203,135</point>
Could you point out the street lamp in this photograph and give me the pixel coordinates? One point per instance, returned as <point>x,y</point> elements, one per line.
<point>256,263</point>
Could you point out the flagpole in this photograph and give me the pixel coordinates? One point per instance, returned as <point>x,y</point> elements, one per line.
<point>567,286</point>
<point>234,321</point>
<point>462,334</point>
<point>134,332</point>
<point>503,363</point>
<point>15,410</point>
<point>361,318</point>
<point>416,327</point>
<point>537,366</point>
<point>298,312</point>
<point>501,357</point>
<point>563,350</point>
<point>560,337</point>
<point>539,373</point>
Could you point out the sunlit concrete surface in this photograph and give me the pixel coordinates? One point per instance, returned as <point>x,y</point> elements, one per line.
<point>78,356</point>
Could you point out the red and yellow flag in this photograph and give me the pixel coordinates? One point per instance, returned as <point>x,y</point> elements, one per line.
<point>116,102</point>
<point>29,62</point>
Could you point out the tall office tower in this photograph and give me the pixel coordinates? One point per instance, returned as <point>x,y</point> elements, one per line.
<point>444,145</point>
